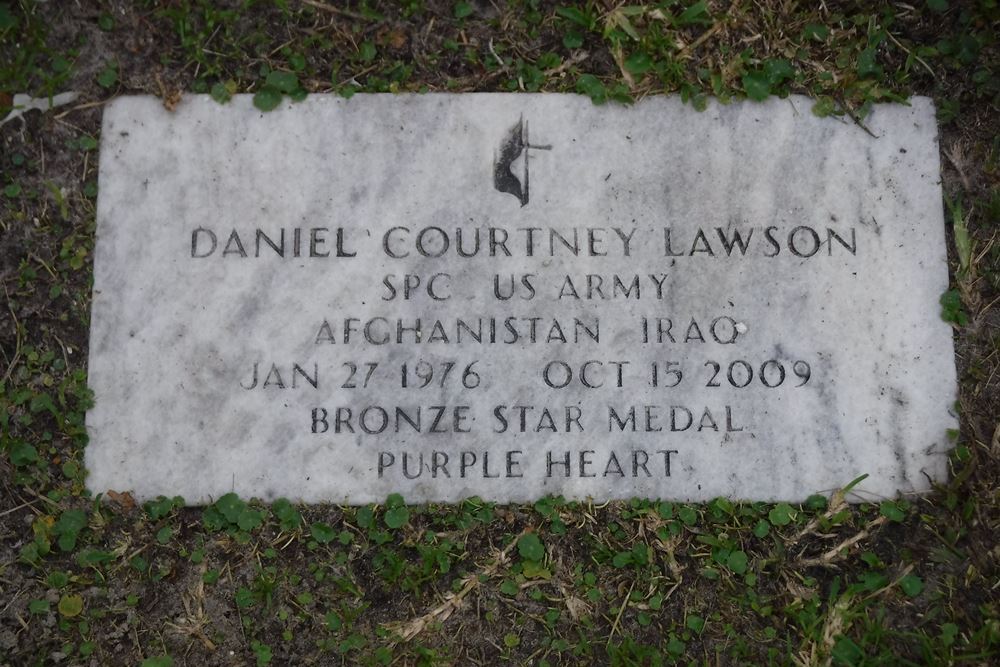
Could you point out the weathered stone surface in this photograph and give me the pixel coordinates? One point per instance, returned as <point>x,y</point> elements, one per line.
<point>747,238</point>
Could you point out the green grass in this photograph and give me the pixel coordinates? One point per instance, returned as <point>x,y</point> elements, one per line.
<point>635,583</point>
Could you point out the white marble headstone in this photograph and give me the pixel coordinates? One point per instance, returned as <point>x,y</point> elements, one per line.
<point>517,295</point>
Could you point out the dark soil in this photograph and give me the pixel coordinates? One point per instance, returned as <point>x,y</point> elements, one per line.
<point>158,583</point>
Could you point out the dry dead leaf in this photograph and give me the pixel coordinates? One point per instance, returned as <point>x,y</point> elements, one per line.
<point>124,499</point>
<point>396,39</point>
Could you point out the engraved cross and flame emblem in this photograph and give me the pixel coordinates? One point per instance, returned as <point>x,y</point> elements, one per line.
<point>515,144</point>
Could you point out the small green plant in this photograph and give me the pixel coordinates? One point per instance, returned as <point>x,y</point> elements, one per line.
<point>70,605</point>
<point>162,507</point>
<point>396,512</point>
<point>951,308</point>
<point>223,92</point>
<point>637,556</point>
<point>108,76</point>
<point>530,547</point>
<point>322,532</point>
<point>158,661</point>
<point>893,510</point>
<point>276,84</point>
<point>68,528</point>
<point>781,515</point>
<point>288,516</point>
<point>231,514</point>
<point>760,83</point>
<point>262,652</point>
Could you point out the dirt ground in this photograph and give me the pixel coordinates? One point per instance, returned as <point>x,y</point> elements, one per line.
<point>910,581</point>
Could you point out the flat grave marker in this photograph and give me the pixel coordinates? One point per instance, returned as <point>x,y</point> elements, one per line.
<point>511,296</point>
